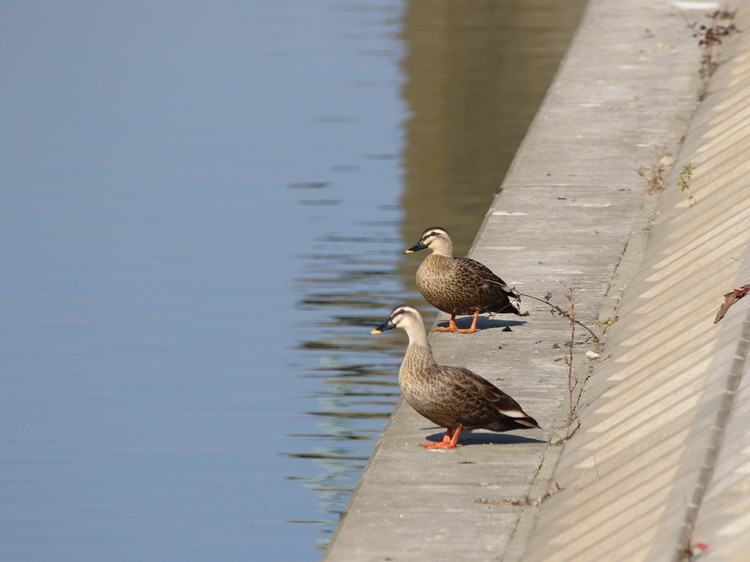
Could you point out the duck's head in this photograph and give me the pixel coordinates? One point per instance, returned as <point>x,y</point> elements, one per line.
<point>404,317</point>
<point>436,239</point>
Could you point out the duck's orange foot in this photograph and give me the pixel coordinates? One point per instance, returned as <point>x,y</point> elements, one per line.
<point>451,326</point>
<point>472,328</point>
<point>450,440</point>
<point>444,444</point>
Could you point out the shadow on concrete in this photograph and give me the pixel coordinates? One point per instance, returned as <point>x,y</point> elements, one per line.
<point>486,438</point>
<point>484,323</point>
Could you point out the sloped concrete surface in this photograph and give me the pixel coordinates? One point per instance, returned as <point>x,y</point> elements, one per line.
<point>639,477</point>
<point>660,468</point>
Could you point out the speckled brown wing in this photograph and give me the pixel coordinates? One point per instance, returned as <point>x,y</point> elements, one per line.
<point>463,286</point>
<point>488,291</point>
<point>477,403</point>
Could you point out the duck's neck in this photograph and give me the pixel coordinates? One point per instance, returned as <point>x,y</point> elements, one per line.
<point>419,351</point>
<point>417,335</point>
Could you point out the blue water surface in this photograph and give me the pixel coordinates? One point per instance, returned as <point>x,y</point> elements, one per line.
<point>183,186</point>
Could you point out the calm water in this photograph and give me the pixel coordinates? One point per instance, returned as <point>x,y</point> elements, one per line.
<point>202,208</point>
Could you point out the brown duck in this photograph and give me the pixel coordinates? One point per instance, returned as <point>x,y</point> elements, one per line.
<point>459,285</point>
<point>451,397</point>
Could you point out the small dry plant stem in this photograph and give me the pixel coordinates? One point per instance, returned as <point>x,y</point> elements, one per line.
<point>709,40</point>
<point>566,313</point>
<point>569,356</point>
<point>555,489</point>
<point>570,314</point>
<point>654,175</point>
<point>546,300</point>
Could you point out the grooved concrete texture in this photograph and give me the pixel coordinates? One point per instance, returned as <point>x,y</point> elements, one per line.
<point>662,459</point>
<point>659,410</point>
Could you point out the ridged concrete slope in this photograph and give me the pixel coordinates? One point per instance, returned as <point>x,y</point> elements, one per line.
<point>571,214</point>
<point>661,461</point>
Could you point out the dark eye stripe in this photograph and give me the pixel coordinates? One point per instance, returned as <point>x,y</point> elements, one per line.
<point>399,312</point>
<point>433,234</point>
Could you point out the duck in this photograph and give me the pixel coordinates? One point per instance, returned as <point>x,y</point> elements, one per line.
<point>452,397</point>
<point>459,285</point>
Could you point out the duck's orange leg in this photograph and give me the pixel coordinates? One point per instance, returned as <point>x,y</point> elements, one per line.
<point>473,327</point>
<point>450,440</point>
<point>451,326</point>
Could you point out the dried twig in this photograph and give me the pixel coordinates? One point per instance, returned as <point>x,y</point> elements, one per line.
<point>564,313</point>
<point>555,489</point>
<point>569,357</point>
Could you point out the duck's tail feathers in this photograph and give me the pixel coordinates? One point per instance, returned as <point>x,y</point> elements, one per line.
<point>511,308</point>
<point>521,418</point>
<point>527,421</point>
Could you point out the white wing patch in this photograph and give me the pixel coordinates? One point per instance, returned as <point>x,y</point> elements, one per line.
<point>513,413</point>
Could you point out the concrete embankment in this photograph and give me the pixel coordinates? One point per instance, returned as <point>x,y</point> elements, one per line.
<point>661,459</point>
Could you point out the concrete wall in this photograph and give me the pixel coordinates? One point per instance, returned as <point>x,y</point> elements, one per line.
<point>662,459</point>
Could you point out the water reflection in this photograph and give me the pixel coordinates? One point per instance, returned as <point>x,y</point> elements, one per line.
<point>346,276</point>
<point>346,286</point>
<point>201,222</point>
<point>473,81</point>
<point>162,168</point>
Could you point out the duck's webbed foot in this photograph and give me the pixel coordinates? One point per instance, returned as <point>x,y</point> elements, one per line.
<point>450,440</point>
<point>472,328</point>
<point>451,326</point>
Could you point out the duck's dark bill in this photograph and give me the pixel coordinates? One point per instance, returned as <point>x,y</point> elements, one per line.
<point>388,325</point>
<point>416,248</point>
